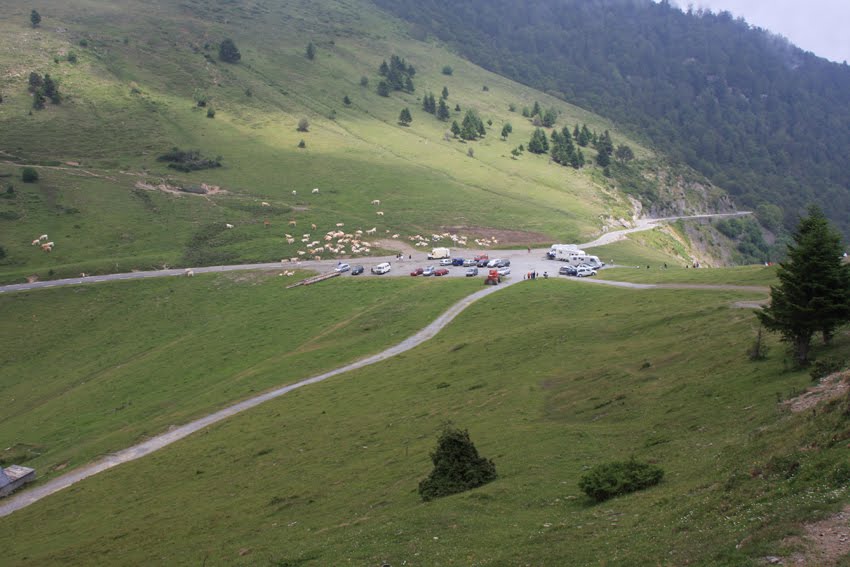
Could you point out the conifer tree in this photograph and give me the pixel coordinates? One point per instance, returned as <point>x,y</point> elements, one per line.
<point>538,143</point>
<point>404,118</point>
<point>35,18</point>
<point>506,130</point>
<point>443,110</point>
<point>455,128</point>
<point>813,294</point>
<point>383,89</point>
<point>445,93</point>
<point>310,52</point>
<point>228,52</point>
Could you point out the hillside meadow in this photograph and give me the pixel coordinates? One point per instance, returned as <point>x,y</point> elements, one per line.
<point>95,368</point>
<point>132,95</point>
<point>550,378</point>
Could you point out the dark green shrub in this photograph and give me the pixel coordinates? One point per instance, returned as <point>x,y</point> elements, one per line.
<point>29,175</point>
<point>302,144</point>
<point>447,70</point>
<point>825,367</point>
<point>457,466</point>
<point>622,477</point>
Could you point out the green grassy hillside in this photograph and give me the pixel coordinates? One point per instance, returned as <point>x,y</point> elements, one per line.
<point>328,474</point>
<point>92,369</point>
<point>131,95</point>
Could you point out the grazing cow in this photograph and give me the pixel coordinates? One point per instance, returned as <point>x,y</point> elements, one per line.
<point>317,258</point>
<point>36,241</point>
<point>292,223</point>
<point>228,225</point>
<point>294,192</point>
<point>83,275</point>
<point>376,201</point>
<point>43,237</point>
<point>315,190</point>
<point>395,235</point>
<point>380,213</point>
<point>46,247</point>
<point>264,204</point>
<point>266,223</point>
<point>301,252</point>
<point>287,235</point>
<point>50,244</point>
<point>340,224</point>
<point>189,272</point>
<point>313,226</point>
<point>290,241</point>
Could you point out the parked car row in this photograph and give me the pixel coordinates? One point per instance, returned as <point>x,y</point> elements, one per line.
<point>581,271</point>
<point>429,271</point>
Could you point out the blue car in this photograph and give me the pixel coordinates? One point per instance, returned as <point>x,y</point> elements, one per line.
<point>457,261</point>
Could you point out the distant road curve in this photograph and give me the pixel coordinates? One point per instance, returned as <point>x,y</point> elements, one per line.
<point>607,238</point>
<point>27,497</point>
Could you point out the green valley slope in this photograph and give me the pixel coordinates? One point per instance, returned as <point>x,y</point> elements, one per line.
<point>131,96</point>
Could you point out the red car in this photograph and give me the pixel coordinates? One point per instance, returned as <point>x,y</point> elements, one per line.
<point>441,272</point>
<point>417,272</point>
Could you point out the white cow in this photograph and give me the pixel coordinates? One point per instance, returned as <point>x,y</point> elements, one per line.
<point>228,225</point>
<point>315,190</point>
<point>294,192</point>
<point>264,204</point>
<point>36,241</point>
<point>380,213</point>
<point>189,272</point>
<point>43,237</point>
<point>376,201</point>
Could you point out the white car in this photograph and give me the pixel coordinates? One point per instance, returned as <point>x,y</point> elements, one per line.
<point>506,271</point>
<point>493,263</point>
<point>382,268</point>
<point>343,267</point>
<point>584,271</point>
<point>446,262</point>
<point>469,262</point>
<point>429,271</point>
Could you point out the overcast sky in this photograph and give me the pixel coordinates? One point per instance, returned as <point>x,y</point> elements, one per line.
<point>819,26</point>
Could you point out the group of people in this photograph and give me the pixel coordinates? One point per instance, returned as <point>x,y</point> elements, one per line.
<point>532,275</point>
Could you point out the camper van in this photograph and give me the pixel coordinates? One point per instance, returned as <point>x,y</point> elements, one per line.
<point>439,253</point>
<point>562,250</point>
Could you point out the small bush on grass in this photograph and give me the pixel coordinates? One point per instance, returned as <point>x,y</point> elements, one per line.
<point>29,175</point>
<point>621,477</point>
<point>190,160</point>
<point>457,466</point>
<point>825,367</point>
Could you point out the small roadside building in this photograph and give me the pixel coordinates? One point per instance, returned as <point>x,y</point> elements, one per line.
<point>13,477</point>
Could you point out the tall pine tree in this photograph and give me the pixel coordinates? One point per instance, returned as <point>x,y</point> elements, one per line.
<point>813,294</point>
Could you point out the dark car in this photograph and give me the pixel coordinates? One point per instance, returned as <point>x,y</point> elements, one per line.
<point>417,271</point>
<point>482,262</point>
<point>441,272</point>
<point>356,270</point>
<point>457,261</point>
<point>503,263</point>
<point>567,270</point>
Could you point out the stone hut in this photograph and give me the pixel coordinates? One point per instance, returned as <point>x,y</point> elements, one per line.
<point>14,477</point>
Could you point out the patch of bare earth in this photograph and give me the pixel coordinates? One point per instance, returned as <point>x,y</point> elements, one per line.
<point>504,237</point>
<point>174,190</point>
<point>829,388</point>
<point>824,542</point>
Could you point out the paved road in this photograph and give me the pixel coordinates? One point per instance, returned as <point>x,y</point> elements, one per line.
<point>27,497</point>
<point>522,261</point>
<point>36,493</point>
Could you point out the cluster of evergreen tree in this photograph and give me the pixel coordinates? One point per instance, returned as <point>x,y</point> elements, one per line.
<point>43,89</point>
<point>759,117</point>
<point>398,76</point>
<point>538,144</point>
<point>564,150</point>
<point>604,148</point>
<point>432,106</point>
<point>471,128</point>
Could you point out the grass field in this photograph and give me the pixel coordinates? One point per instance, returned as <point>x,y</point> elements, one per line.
<point>328,474</point>
<point>93,369</point>
<point>131,96</point>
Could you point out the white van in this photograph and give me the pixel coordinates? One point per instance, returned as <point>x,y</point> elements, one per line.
<point>382,268</point>
<point>439,253</point>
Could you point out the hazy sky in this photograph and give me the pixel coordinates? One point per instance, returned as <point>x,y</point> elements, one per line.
<point>819,26</point>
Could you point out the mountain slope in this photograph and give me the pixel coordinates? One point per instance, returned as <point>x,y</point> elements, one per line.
<point>760,117</point>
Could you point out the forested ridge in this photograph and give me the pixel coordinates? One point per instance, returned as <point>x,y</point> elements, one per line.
<point>758,116</point>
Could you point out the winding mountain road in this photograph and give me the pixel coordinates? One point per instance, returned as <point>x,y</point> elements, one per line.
<point>36,493</point>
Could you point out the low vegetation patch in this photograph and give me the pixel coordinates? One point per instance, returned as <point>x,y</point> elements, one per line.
<point>188,160</point>
<point>457,466</point>
<point>621,477</point>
